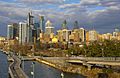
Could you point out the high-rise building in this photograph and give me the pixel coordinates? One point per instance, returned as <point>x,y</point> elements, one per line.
<point>12,31</point>
<point>75,32</point>
<point>66,34</point>
<point>76,25</point>
<point>116,33</point>
<point>42,24</point>
<point>64,25</point>
<point>107,36</point>
<point>82,36</point>
<point>87,36</point>
<point>30,22</point>
<point>49,27</point>
<point>60,35</point>
<point>93,35</point>
<point>37,28</point>
<point>23,33</point>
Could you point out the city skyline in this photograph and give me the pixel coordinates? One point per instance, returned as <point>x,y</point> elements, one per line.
<point>99,14</point>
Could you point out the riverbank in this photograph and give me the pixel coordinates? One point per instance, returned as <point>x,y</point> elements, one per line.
<point>66,67</point>
<point>75,68</point>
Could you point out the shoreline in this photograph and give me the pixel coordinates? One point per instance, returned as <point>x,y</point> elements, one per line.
<point>77,69</point>
<point>59,67</point>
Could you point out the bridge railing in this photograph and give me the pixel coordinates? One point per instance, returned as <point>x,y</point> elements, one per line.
<point>96,58</point>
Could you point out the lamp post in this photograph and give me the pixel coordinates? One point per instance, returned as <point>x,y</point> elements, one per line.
<point>33,70</point>
<point>23,63</point>
<point>85,52</point>
<point>102,52</point>
<point>62,75</point>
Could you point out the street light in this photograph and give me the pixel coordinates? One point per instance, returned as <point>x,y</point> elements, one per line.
<point>85,52</point>
<point>62,75</point>
<point>102,52</point>
<point>32,73</point>
<point>23,63</point>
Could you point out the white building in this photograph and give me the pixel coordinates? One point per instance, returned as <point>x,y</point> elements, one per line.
<point>49,27</point>
<point>82,34</point>
<point>23,32</point>
<point>93,35</point>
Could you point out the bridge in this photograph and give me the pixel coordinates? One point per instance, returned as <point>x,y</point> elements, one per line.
<point>15,70</point>
<point>86,61</point>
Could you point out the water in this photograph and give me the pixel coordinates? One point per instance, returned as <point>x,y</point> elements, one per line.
<point>3,66</point>
<point>45,71</point>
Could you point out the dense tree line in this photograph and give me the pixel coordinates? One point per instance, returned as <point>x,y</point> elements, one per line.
<point>108,48</point>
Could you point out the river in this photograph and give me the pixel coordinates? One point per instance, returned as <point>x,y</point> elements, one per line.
<point>3,66</point>
<point>45,71</point>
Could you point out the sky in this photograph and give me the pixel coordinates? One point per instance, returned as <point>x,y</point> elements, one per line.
<point>101,15</point>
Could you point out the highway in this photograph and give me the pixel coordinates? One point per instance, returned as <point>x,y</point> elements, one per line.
<point>113,61</point>
<point>16,70</point>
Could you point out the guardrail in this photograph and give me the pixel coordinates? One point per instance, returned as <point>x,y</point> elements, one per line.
<point>112,59</point>
<point>117,59</point>
<point>10,71</point>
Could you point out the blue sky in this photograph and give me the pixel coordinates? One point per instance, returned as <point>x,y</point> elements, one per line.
<point>103,15</point>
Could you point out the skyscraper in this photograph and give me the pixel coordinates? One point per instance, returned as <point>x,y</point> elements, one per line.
<point>82,34</point>
<point>12,31</point>
<point>23,31</point>
<point>49,27</point>
<point>76,25</point>
<point>64,25</point>
<point>37,28</point>
<point>30,22</point>
<point>42,24</point>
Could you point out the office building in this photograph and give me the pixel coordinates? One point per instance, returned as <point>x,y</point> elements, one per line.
<point>23,33</point>
<point>42,24</point>
<point>37,28</point>
<point>64,25</point>
<point>75,33</point>
<point>49,27</point>
<point>82,36</point>
<point>30,28</point>
<point>76,25</point>
<point>93,35</point>
<point>12,31</point>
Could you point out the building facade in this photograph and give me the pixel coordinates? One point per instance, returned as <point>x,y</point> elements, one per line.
<point>23,33</point>
<point>12,31</point>
<point>42,24</point>
<point>49,27</point>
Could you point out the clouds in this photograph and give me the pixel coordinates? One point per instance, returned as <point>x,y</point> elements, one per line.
<point>43,1</point>
<point>98,13</point>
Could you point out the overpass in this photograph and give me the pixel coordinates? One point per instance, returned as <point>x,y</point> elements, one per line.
<point>86,61</point>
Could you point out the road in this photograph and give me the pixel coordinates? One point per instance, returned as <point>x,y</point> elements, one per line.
<point>16,70</point>
<point>113,61</point>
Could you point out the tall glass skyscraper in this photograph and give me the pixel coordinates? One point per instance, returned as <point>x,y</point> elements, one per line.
<point>30,22</point>
<point>42,24</point>
<point>37,28</point>
<point>12,31</point>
